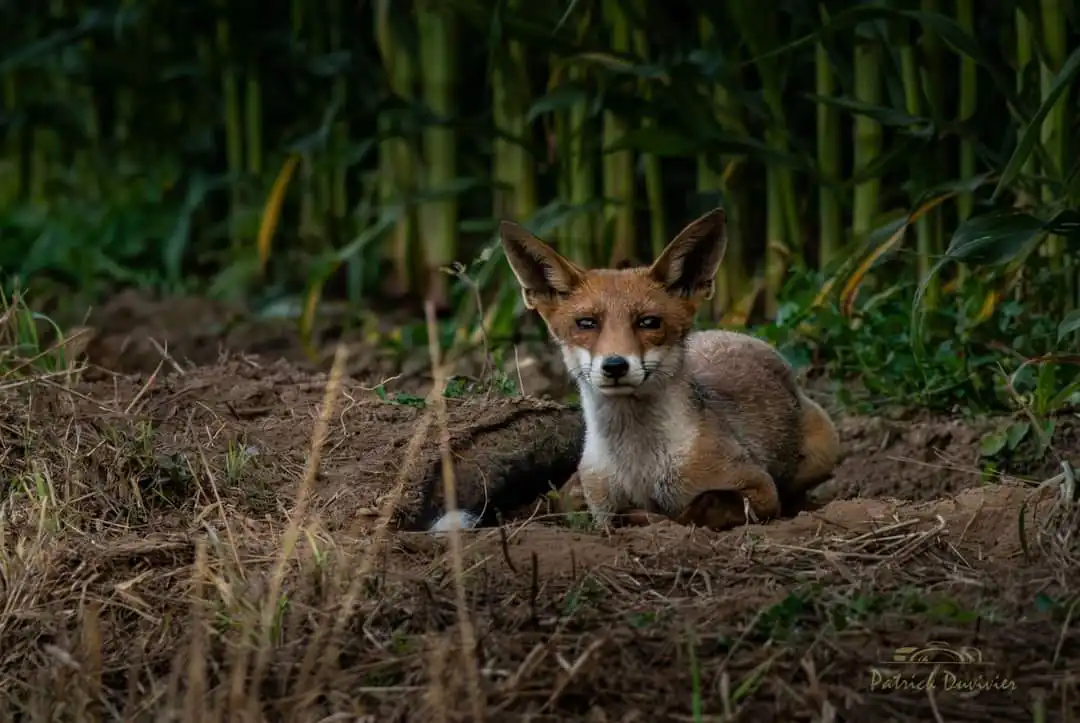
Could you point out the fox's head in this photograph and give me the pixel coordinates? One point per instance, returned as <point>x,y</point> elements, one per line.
<point>622,331</point>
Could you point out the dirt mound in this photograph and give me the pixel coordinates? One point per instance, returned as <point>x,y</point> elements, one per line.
<point>241,431</point>
<point>154,563</point>
<point>135,332</point>
<point>930,458</point>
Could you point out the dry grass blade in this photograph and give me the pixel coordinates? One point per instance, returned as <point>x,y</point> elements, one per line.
<point>885,543</point>
<point>195,699</point>
<point>468,636</point>
<point>292,533</point>
<point>347,606</point>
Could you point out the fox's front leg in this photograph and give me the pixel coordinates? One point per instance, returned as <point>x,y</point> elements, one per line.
<point>601,496</point>
<point>572,499</point>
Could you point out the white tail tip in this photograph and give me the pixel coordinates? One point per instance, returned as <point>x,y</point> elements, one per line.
<point>454,519</point>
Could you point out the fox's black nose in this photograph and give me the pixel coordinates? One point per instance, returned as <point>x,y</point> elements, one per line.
<point>615,367</point>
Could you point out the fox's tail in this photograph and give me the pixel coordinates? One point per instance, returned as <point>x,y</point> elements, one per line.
<point>460,519</point>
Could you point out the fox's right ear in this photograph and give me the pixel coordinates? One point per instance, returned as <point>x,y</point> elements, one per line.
<point>541,271</point>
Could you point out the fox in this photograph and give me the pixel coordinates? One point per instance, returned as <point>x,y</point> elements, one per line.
<point>704,427</point>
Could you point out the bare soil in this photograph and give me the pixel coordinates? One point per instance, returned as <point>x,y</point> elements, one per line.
<point>163,557</point>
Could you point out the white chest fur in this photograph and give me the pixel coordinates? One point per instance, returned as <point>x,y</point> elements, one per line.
<point>637,444</point>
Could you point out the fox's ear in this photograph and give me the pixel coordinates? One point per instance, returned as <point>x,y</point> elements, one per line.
<point>541,271</point>
<point>689,264</point>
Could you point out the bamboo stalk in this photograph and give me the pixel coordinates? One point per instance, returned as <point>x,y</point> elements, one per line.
<point>965,18</point>
<point>564,163</point>
<point>619,181</point>
<point>783,248</point>
<point>731,281</point>
<point>582,227</point>
<point>324,160</point>
<point>234,149</point>
<point>17,186</point>
<point>87,157</point>
<point>401,75</point>
<point>253,122</point>
<point>1055,128</point>
<point>654,182</point>
<point>525,198</point>
<point>503,174</point>
<point>1025,53</point>
<point>830,217</point>
<point>912,82</point>
<point>582,237</point>
<point>937,164</point>
<point>305,177</point>
<point>513,165</point>
<point>439,218</point>
<point>868,136</point>
<point>339,133</point>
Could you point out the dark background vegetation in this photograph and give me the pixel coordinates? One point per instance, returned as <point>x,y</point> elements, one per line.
<point>859,150</point>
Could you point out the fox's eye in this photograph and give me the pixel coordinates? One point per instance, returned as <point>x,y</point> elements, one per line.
<point>649,322</point>
<point>586,323</point>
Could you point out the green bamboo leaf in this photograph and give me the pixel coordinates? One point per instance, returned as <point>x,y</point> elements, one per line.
<point>1064,79</point>
<point>1069,325</point>
<point>175,246</point>
<point>883,115</point>
<point>626,65</point>
<point>40,49</point>
<point>1066,223</point>
<point>387,219</point>
<point>1072,184</point>
<point>994,238</point>
<point>316,140</point>
<point>899,154</point>
<point>658,141</point>
<point>566,15</point>
<point>956,186</point>
<point>566,95</point>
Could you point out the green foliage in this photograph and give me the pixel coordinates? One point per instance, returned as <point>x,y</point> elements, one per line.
<point>144,145</point>
<point>965,364</point>
<point>785,620</point>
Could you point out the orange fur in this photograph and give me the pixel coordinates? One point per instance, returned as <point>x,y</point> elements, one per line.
<point>701,427</point>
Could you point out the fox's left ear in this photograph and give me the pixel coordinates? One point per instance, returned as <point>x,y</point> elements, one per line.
<point>689,264</point>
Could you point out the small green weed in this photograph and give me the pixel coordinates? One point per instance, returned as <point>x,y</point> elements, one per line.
<point>22,350</point>
<point>589,589</point>
<point>237,457</point>
<point>803,610</point>
<point>408,400</point>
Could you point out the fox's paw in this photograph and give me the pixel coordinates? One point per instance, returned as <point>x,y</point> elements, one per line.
<point>720,510</point>
<point>642,518</point>
<point>747,495</point>
<point>716,510</point>
<point>571,498</point>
